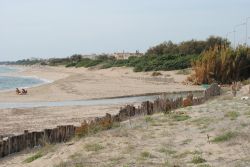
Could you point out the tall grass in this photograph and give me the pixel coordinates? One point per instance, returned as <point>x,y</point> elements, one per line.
<point>222,64</point>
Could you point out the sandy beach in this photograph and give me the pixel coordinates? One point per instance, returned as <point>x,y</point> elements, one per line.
<point>82,83</point>
<point>77,84</point>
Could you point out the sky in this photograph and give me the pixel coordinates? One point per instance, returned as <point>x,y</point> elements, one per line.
<point>61,28</point>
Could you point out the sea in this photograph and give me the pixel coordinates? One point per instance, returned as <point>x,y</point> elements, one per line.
<point>8,82</point>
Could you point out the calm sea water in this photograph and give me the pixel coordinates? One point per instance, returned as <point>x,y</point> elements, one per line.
<point>5,69</point>
<point>9,82</point>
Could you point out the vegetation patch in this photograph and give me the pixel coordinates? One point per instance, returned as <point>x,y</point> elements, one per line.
<point>222,64</point>
<point>187,141</point>
<point>203,165</point>
<point>156,73</point>
<point>34,157</point>
<point>149,119</point>
<point>167,151</point>
<point>179,117</point>
<point>198,160</point>
<point>146,154</point>
<point>232,115</point>
<point>40,153</point>
<point>93,147</point>
<point>186,153</point>
<point>247,113</point>
<point>184,72</point>
<point>203,122</point>
<point>224,137</point>
<point>246,82</point>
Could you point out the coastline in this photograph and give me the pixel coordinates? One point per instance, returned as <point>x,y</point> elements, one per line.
<point>70,84</point>
<point>82,84</point>
<point>18,70</point>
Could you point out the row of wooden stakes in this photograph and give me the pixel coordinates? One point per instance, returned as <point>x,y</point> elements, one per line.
<point>59,134</point>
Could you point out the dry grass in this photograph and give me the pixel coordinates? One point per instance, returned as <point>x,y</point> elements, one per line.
<point>222,64</point>
<point>198,160</point>
<point>156,73</point>
<point>184,72</point>
<point>94,147</point>
<point>232,115</point>
<point>173,139</point>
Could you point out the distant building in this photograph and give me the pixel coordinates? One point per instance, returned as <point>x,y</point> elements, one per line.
<point>126,55</point>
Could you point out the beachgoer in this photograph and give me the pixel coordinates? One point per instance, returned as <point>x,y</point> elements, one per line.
<point>24,92</point>
<point>18,92</point>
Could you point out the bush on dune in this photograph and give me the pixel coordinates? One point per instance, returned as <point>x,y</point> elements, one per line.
<point>222,64</point>
<point>155,63</point>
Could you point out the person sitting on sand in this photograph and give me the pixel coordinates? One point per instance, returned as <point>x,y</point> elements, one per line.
<point>18,92</point>
<point>24,91</point>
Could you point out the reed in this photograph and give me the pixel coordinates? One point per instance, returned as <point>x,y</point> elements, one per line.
<point>222,64</point>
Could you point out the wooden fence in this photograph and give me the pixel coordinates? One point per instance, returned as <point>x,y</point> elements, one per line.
<point>59,134</point>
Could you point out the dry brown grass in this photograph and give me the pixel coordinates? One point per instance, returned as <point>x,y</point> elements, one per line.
<point>221,64</point>
<point>177,140</point>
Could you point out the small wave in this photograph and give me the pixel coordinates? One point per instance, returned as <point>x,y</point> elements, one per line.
<point>11,82</point>
<point>8,81</point>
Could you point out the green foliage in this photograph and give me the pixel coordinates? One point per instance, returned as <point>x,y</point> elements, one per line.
<point>164,62</point>
<point>33,157</point>
<point>26,62</point>
<point>204,165</point>
<point>184,72</point>
<point>86,62</point>
<point>198,160</point>
<point>246,82</point>
<point>40,153</point>
<point>232,114</point>
<point>149,119</point>
<point>144,63</point>
<point>165,56</point>
<point>187,47</point>
<point>179,117</point>
<point>167,151</point>
<point>224,137</point>
<point>58,61</point>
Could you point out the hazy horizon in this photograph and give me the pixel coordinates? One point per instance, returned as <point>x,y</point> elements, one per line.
<point>60,28</point>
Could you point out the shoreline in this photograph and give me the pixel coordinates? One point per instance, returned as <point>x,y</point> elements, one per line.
<point>120,100</point>
<point>81,84</point>
<point>21,71</point>
<point>44,82</point>
<point>71,84</point>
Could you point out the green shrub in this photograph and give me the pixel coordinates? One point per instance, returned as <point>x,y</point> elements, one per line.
<point>33,157</point>
<point>232,114</point>
<point>224,137</point>
<point>184,72</point>
<point>149,119</point>
<point>179,117</point>
<point>198,160</point>
<point>143,63</point>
